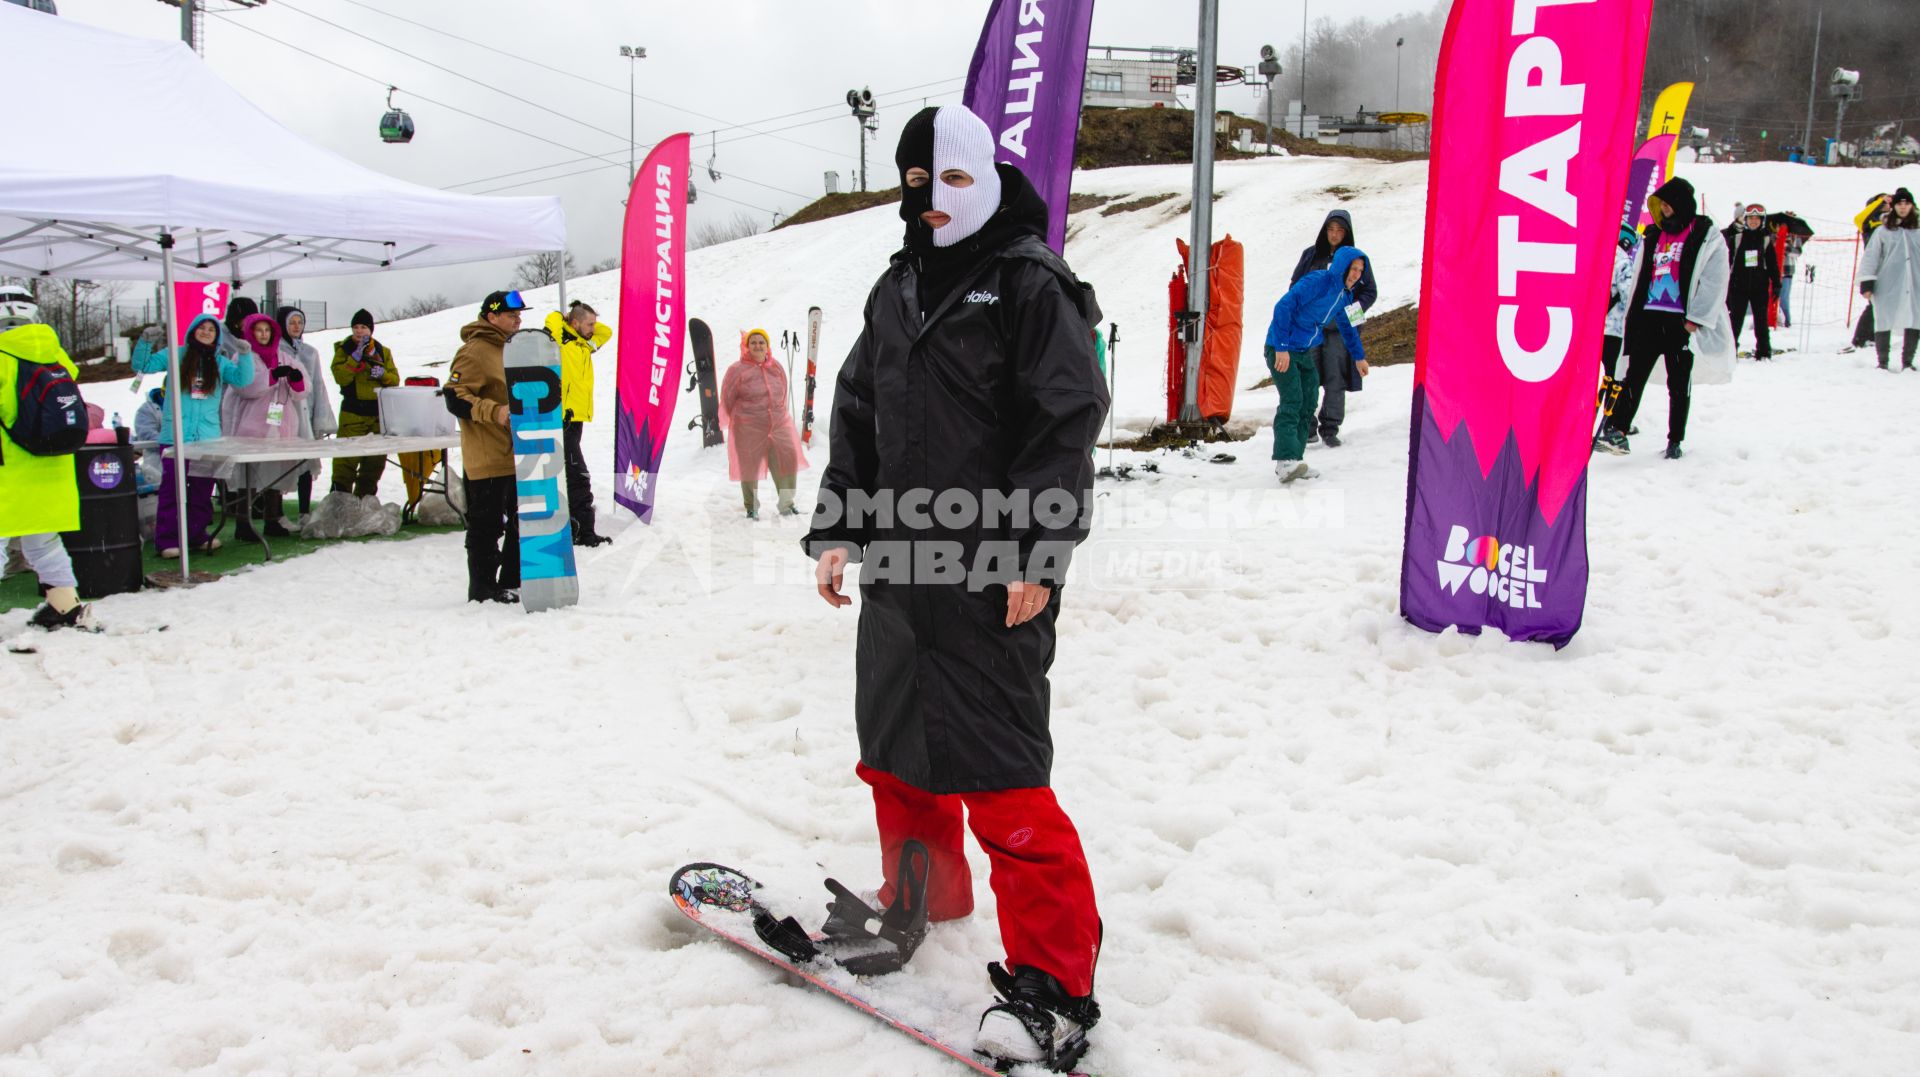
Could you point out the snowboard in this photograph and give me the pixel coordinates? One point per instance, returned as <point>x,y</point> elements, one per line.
<point>702,380</point>
<point>813,367</point>
<point>547,579</point>
<point>727,903</point>
<point>28,641</point>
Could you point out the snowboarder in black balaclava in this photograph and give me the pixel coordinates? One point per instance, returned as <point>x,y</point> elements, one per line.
<point>973,379</point>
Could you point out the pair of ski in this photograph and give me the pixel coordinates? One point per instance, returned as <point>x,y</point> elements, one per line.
<point>704,379</point>
<point>851,964</point>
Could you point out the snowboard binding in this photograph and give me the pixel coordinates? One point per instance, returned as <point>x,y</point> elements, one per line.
<point>1056,1022</point>
<point>898,932</point>
<point>856,936</point>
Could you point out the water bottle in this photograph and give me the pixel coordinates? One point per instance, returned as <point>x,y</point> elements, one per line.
<point>116,420</point>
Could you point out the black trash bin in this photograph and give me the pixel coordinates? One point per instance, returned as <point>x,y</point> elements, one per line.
<point>106,550</point>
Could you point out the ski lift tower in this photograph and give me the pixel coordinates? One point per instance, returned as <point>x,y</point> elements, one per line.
<point>1843,87</point>
<point>1193,320</point>
<point>862,104</point>
<point>193,27</point>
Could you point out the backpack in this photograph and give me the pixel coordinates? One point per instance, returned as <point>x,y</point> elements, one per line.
<point>52,419</point>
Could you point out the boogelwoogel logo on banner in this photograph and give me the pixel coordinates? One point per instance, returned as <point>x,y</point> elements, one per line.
<point>1487,566</point>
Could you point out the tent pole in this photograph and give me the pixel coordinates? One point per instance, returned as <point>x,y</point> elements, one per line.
<point>173,399</point>
<point>563,284</point>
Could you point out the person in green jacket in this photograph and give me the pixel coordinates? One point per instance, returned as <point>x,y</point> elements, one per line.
<point>362,366</point>
<point>39,495</point>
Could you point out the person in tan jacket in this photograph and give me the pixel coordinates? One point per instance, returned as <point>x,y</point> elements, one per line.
<point>477,395</point>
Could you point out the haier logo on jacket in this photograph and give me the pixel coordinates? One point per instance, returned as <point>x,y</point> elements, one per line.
<point>982,297</point>
<point>1486,566</point>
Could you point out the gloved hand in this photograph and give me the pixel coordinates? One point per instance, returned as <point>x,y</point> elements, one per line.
<point>377,371</point>
<point>153,336</point>
<point>1866,287</point>
<point>283,372</point>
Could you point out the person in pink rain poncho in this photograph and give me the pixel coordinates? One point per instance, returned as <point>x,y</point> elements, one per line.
<point>761,436</point>
<point>267,407</point>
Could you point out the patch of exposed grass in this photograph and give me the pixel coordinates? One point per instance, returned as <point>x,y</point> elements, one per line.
<point>835,205</point>
<point>1145,202</point>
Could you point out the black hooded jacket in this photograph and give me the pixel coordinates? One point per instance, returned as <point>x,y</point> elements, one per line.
<point>1678,195</point>
<point>1320,256</point>
<point>974,374</point>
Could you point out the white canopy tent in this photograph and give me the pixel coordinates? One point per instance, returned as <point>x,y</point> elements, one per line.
<point>179,176</point>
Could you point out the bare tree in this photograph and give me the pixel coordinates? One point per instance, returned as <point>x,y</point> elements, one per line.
<point>543,269</point>
<point>77,311</point>
<point>714,233</point>
<point>604,264</point>
<point>417,306</point>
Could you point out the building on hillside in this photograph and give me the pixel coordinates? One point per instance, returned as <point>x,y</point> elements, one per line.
<point>1135,78</point>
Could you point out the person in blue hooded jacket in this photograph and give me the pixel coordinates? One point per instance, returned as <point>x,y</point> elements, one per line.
<point>1317,300</point>
<point>1338,374</point>
<point>207,368</point>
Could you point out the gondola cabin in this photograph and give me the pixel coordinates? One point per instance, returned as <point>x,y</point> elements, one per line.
<point>396,126</point>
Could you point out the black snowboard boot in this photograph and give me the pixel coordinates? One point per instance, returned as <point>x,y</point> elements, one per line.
<point>1035,1022</point>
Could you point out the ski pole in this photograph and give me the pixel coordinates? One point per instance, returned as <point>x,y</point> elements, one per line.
<point>1113,383</point>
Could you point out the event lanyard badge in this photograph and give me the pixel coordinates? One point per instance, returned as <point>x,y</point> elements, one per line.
<point>275,413</point>
<point>1753,259</point>
<point>1356,314</point>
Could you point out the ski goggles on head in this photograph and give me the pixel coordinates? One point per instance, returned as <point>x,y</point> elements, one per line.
<point>503,303</point>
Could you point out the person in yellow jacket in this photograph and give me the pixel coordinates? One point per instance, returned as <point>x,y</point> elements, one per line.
<point>1870,218</point>
<point>580,333</point>
<point>39,495</point>
<point>477,395</point>
<point>362,366</point>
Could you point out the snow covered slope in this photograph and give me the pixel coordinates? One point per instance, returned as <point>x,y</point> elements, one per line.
<point>335,820</point>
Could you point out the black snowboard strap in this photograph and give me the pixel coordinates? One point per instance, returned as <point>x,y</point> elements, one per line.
<point>785,935</point>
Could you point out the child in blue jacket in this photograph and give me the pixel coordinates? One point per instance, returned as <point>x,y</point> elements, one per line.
<point>207,369</point>
<point>1314,300</point>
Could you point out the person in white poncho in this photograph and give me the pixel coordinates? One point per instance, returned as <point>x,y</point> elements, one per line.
<point>1890,278</point>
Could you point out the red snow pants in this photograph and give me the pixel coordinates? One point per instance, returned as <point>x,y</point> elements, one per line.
<point>1039,873</point>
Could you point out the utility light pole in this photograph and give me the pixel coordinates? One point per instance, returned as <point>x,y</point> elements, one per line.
<point>1813,87</point>
<point>1396,72</point>
<point>1303,71</point>
<point>632,53</point>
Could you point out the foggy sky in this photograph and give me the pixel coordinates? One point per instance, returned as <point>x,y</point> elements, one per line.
<point>737,60</point>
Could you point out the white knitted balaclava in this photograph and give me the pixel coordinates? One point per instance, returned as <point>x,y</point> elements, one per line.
<point>939,139</point>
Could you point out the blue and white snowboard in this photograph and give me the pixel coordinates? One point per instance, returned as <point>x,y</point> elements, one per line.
<point>547,579</point>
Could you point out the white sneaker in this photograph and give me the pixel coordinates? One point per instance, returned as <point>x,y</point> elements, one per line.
<point>1289,470</point>
<point>171,553</point>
